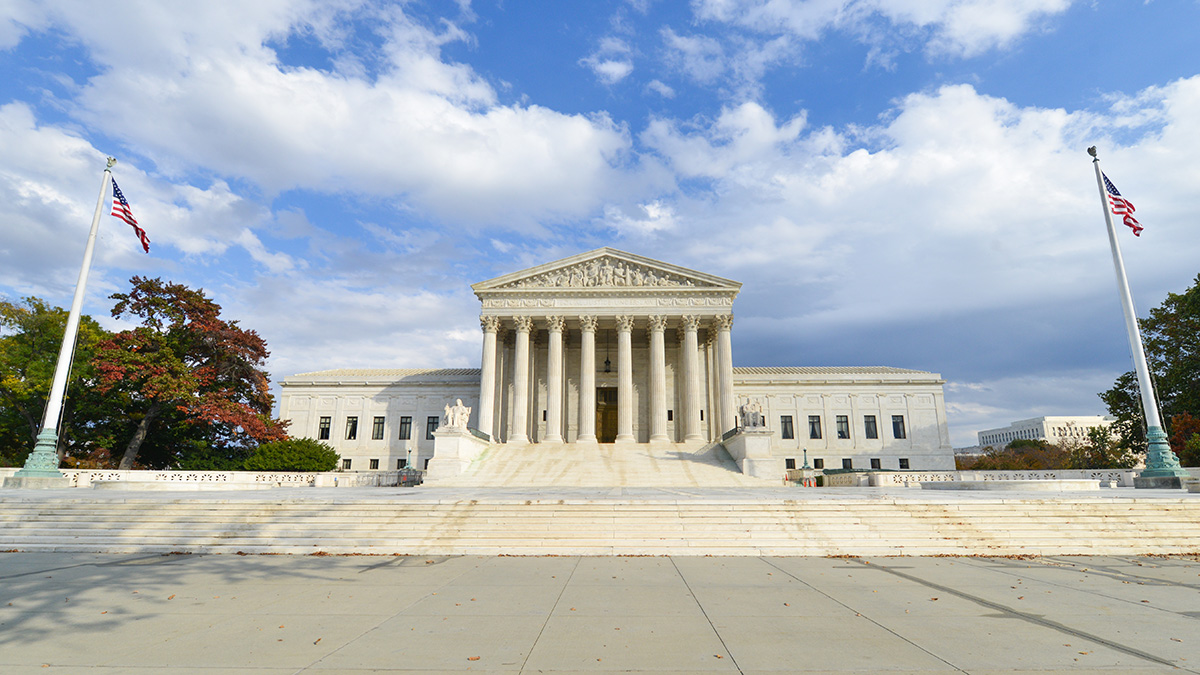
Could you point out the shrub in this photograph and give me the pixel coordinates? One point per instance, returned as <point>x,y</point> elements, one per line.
<point>294,454</point>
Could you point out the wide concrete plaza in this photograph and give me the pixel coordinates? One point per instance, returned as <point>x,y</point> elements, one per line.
<point>144,613</point>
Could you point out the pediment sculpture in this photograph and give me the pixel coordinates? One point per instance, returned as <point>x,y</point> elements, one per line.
<point>605,272</point>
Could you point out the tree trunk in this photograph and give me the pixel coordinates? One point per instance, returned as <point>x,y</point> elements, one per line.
<point>135,443</point>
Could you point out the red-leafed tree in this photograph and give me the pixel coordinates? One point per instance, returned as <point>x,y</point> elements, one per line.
<point>187,377</point>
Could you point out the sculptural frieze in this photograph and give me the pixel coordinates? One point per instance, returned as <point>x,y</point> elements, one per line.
<point>604,272</point>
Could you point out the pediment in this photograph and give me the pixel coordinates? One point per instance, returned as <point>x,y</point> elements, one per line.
<point>607,268</point>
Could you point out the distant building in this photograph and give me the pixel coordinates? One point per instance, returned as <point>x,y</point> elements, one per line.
<point>1050,429</point>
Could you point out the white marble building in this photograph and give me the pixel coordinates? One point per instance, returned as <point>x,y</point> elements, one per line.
<point>612,347</point>
<point>1055,429</point>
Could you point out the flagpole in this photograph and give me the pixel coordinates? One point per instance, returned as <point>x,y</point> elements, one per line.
<point>1162,466</point>
<point>42,463</point>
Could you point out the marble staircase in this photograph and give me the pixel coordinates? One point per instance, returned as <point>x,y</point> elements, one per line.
<point>605,465</point>
<point>614,521</point>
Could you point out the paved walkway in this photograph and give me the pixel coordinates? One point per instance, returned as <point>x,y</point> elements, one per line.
<point>191,614</point>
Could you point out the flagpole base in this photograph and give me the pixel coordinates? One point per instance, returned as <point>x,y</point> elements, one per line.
<point>43,461</point>
<point>1162,466</point>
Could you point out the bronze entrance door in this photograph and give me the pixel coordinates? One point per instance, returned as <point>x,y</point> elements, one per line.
<point>606,414</point>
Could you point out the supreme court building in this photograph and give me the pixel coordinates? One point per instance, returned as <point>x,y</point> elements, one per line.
<point>611,347</point>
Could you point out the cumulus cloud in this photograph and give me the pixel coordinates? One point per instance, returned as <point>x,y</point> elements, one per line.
<point>611,62</point>
<point>206,92</point>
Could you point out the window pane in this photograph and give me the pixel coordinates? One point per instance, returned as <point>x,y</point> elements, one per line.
<point>431,425</point>
<point>351,428</point>
<point>814,426</point>
<point>789,463</point>
<point>345,465</point>
<point>876,464</point>
<point>377,429</point>
<point>374,464</point>
<point>869,427</point>
<point>898,426</point>
<point>323,431</point>
<point>847,464</point>
<point>785,427</point>
<point>843,426</point>
<point>903,462</point>
<point>818,463</point>
<point>405,428</point>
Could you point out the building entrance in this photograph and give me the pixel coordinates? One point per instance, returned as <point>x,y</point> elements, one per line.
<point>606,414</point>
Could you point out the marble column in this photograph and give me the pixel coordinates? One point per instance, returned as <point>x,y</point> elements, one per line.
<point>712,387</point>
<point>587,381</point>
<point>554,381</point>
<point>658,380</point>
<point>691,379</point>
<point>487,376</point>
<point>625,380</point>
<point>723,324</point>
<point>520,402</point>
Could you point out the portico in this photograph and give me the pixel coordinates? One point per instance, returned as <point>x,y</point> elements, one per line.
<point>606,347</point>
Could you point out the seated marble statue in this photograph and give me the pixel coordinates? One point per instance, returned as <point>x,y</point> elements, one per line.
<point>752,415</point>
<point>456,416</point>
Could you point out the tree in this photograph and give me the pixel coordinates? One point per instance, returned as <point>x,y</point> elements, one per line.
<point>1022,454</point>
<point>194,378</point>
<point>294,454</point>
<point>1171,335</point>
<point>31,334</point>
<point>1102,450</point>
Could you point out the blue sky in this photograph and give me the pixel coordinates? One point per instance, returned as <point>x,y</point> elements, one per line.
<point>896,182</point>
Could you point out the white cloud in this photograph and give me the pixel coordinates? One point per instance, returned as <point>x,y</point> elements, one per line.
<point>648,218</point>
<point>611,62</point>
<point>660,88</point>
<point>700,57</point>
<point>960,28</point>
<point>201,91</point>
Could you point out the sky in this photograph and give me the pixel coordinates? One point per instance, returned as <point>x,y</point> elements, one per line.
<point>895,182</point>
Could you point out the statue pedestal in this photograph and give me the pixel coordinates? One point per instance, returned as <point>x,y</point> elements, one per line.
<point>453,451</point>
<point>751,449</point>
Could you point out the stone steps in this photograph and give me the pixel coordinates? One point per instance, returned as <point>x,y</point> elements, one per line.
<point>613,465</point>
<point>704,525</point>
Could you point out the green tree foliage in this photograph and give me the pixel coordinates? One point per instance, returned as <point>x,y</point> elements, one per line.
<point>31,334</point>
<point>1102,450</point>
<point>1185,438</point>
<point>189,386</point>
<point>294,454</point>
<point>1171,335</point>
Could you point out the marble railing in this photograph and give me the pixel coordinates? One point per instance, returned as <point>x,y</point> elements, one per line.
<point>1122,477</point>
<point>235,479</point>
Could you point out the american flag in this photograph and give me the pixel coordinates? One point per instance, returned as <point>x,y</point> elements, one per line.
<point>121,210</point>
<point>1122,207</point>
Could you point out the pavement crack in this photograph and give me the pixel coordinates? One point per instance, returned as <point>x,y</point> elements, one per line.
<point>705,613</point>
<point>550,614</point>
<point>863,616</point>
<point>1031,618</point>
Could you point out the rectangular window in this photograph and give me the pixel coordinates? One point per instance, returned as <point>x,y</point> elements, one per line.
<point>670,415</point>
<point>351,428</point>
<point>400,464</point>
<point>814,426</point>
<point>374,464</point>
<point>427,464</point>
<point>843,426</point>
<point>785,427</point>
<point>701,415</point>
<point>789,463</point>
<point>870,429</point>
<point>543,415</point>
<point>431,425</point>
<point>876,464</point>
<point>323,430</point>
<point>818,463</point>
<point>377,429</point>
<point>345,465</point>
<point>903,462</point>
<point>898,427</point>
<point>405,428</point>
<point>847,464</point>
